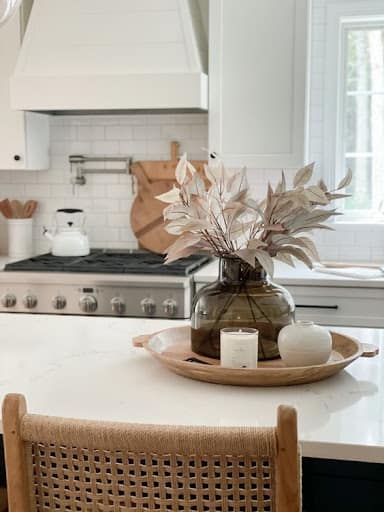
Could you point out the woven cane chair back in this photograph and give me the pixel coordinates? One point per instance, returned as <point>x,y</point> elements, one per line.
<point>75,465</point>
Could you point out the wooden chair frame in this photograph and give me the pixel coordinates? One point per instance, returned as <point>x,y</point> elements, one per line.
<point>287,462</point>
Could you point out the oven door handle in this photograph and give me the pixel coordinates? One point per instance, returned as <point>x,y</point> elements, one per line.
<point>317,306</point>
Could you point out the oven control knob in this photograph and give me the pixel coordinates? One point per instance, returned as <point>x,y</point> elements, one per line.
<point>8,300</point>
<point>170,307</point>
<point>88,304</point>
<point>118,305</point>
<point>59,302</point>
<point>148,306</point>
<point>30,301</point>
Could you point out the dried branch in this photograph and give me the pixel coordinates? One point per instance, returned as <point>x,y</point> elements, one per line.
<point>223,220</point>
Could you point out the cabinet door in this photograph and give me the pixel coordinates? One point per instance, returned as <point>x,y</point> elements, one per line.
<point>258,81</point>
<point>24,138</point>
<point>352,307</point>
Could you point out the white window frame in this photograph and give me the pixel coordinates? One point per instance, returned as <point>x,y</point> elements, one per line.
<point>339,17</point>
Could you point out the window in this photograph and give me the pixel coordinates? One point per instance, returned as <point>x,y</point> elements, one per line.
<point>362,134</point>
<point>357,82</point>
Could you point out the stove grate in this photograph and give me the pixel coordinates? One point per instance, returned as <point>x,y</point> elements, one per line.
<point>111,262</point>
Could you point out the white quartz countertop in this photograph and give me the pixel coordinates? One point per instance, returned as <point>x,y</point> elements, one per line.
<point>298,276</point>
<point>4,260</point>
<point>87,368</point>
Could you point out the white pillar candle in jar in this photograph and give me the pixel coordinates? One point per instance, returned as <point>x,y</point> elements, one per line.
<point>238,347</point>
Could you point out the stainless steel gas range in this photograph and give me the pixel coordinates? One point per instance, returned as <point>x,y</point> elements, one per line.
<point>105,283</point>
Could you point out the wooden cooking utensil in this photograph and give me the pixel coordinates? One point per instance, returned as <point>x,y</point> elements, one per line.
<point>29,209</point>
<point>6,209</point>
<point>154,177</point>
<point>17,209</point>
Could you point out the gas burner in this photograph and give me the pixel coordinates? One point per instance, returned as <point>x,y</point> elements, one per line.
<point>111,262</point>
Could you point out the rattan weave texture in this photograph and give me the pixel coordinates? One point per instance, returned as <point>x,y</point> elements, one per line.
<point>79,479</point>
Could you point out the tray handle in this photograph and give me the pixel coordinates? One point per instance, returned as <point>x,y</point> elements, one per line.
<point>138,341</point>
<point>369,350</point>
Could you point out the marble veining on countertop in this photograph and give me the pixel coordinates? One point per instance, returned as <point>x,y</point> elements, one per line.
<point>86,367</point>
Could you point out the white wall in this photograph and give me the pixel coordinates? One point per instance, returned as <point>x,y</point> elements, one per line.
<point>105,198</point>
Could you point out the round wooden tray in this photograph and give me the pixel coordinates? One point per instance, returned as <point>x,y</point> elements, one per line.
<point>172,348</point>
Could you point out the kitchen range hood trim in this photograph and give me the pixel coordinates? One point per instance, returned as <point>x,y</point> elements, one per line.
<point>167,91</point>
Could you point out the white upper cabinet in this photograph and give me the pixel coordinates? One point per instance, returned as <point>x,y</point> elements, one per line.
<point>258,82</point>
<point>24,137</point>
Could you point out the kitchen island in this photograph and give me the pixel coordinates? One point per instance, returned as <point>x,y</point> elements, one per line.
<point>87,368</point>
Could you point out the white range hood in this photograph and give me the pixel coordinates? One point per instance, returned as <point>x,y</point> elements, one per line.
<point>112,56</point>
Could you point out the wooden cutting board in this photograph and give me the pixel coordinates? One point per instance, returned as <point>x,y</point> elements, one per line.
<point>154,177</point>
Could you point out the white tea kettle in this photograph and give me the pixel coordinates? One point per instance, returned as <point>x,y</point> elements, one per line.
<point>69,238</point>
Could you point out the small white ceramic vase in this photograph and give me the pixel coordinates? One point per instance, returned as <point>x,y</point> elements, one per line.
<point>304,344</point>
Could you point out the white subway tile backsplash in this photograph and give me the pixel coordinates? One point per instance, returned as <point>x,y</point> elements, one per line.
<point>126,235</point>
<point>118,220</point>
<point>91,132</point>
<point>133,148</point>
<point>60,191</point>
<point>101,179</point>
<point>125,205</point>
<point>190,119</point>
<point>328,253</point>
<point>354,253</point>
<point>59,147</point>
<point>39,190</point>
<point>318,13</point>
<point>94,220</point>
<point>377,255</point>
<point>199,131</point>
<point>92,190</point>
<point>118,132</point>
<point>78,148</point>
<point>99,235</point>
<point>102,205</point>
<point>105,147</point>
<point>51,177</point>
<point>147,132</point>
<point>174,131</point>
<point>131,120</point>
<point>195,148</point>
<point>158,119</point>
<point>332,238</point>
<point>61,133</point>
<point>161,147</point>
<point>119,191</point>
<point>23,177</point>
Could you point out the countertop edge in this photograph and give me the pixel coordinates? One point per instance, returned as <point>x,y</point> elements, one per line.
<point>341,451</point>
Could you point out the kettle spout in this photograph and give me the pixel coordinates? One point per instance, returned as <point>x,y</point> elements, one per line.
<point>47,233</point>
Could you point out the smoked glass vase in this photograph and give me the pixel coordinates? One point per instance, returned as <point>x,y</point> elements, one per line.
<point>242,296</point>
